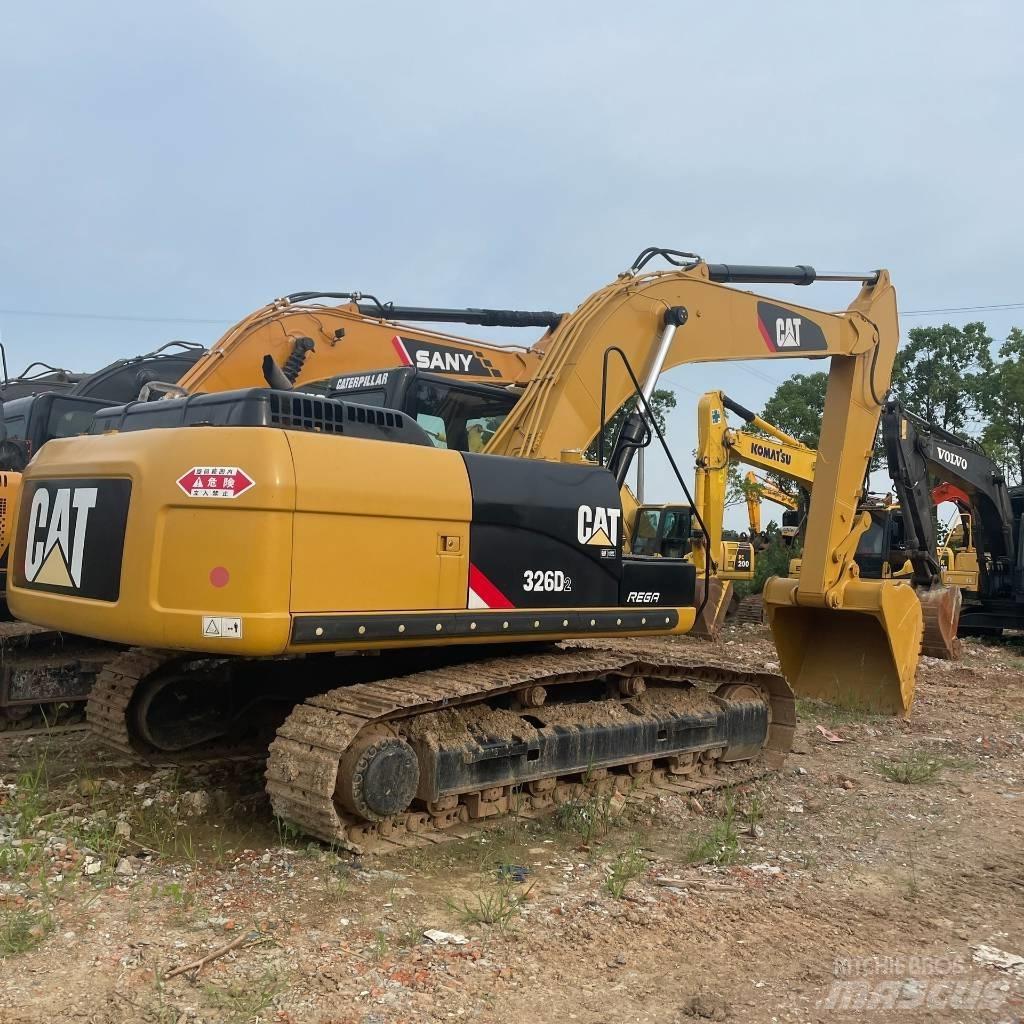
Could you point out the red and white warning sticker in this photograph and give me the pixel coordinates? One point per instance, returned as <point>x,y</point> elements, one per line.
<point>215,482</point>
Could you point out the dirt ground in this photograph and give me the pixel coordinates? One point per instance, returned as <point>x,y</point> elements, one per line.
<point>876,878</point>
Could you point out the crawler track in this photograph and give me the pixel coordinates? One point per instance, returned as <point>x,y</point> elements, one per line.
<point>303,766</point>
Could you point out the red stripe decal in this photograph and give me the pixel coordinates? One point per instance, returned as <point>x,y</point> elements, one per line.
<point>400,349</point>
<point>486,590</point>
<point>764,334</point>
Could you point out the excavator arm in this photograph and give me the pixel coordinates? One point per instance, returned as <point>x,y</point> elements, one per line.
<point>758,490</point>
<point>917,451</point>
<point>658,321</point>
<point>311,342</point>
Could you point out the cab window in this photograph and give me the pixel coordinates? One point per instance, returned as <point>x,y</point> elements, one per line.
<point>460,418</point>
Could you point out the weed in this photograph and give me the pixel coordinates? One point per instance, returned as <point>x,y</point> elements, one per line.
<point>22,930</point>
<point>755,810</point>
<point>287,833</point>
<point>589,819</point>
<point>627,866</point>
<point>181,897</point>
<point>32,789</point>
<point>381,945</point>
<point>833,713</point>
<point>914,768</point>
<point>248,999</point>
<point>719,845</point>
<point>497,907</point>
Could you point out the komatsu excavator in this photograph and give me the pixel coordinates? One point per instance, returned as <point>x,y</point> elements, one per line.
<point>718,447</point>
<point>878,548</point>
<point>258,530</point>
<point>758,489</point>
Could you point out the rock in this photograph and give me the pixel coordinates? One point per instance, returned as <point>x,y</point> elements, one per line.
<point>440,938</point>
<point>706,1005</point>
<point>92,867</point>
<point>123,830</point>
<point>195,804</point>
<point>88,787</point>
<point>125,867</point>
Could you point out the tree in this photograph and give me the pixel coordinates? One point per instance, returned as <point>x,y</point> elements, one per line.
<point>661,401</point>
<point>798,405</point>
<point>941,373</point>
<point>1002,400</point>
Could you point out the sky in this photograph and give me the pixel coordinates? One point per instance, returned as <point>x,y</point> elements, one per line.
<point>165,169</point>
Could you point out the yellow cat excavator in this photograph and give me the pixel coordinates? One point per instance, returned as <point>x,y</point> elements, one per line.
<point>259,533</point>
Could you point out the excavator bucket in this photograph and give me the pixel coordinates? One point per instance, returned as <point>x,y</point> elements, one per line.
<point>709,622</point>
<point>863,654</point>
<point>941,608</point>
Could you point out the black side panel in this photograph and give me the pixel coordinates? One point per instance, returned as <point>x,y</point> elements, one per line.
<point>71,533</point>
<point>544,534</point>
<point>658,581</point>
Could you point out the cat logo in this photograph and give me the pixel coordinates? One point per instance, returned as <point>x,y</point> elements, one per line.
<point>598,526</point>
<point>787,332</point>
<point>57,530</point>
<point>71,536</point>
<point>785,329</point>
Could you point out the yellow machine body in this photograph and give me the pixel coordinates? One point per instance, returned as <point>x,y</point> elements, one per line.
<point>345,528</point>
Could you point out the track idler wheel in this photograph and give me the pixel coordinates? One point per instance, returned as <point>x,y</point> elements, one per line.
<point>941,609</point>
<point>378,775</point>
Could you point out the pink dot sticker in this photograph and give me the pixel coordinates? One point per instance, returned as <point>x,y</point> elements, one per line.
<point>219,576</point>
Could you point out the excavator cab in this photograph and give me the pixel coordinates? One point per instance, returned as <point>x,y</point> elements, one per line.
<point>456,414</point>
<point>662,530</point>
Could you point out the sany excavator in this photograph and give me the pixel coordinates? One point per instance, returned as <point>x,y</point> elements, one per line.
<point>878,547</point>
<point>239,537</point>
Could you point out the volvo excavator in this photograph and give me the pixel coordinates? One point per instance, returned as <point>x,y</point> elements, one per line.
<point>242,540</point>
<point>991,566</point>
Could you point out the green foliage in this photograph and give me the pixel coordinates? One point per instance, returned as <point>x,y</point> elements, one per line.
<point>1002,395</point>
<point>661,401</point>
<point>772,560</point>
<point>625,868</point>
<point>798,406</point>
<point>720,844</point>
<point>941,373</point>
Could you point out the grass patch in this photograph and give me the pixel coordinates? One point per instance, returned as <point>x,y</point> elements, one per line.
<point>719,845</point>
<point>22,930</point>
<point>913,769</point>
<point>497,908</point>
<point>32,788</point>
<point>245,1000</point>
<point>834,714</point>
<point>624,869</point>
<point>590,819</point>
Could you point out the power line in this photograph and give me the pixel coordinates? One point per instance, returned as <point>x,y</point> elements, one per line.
<point>62,315</point>
<point>961,309</point>
<point>113,316</point>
